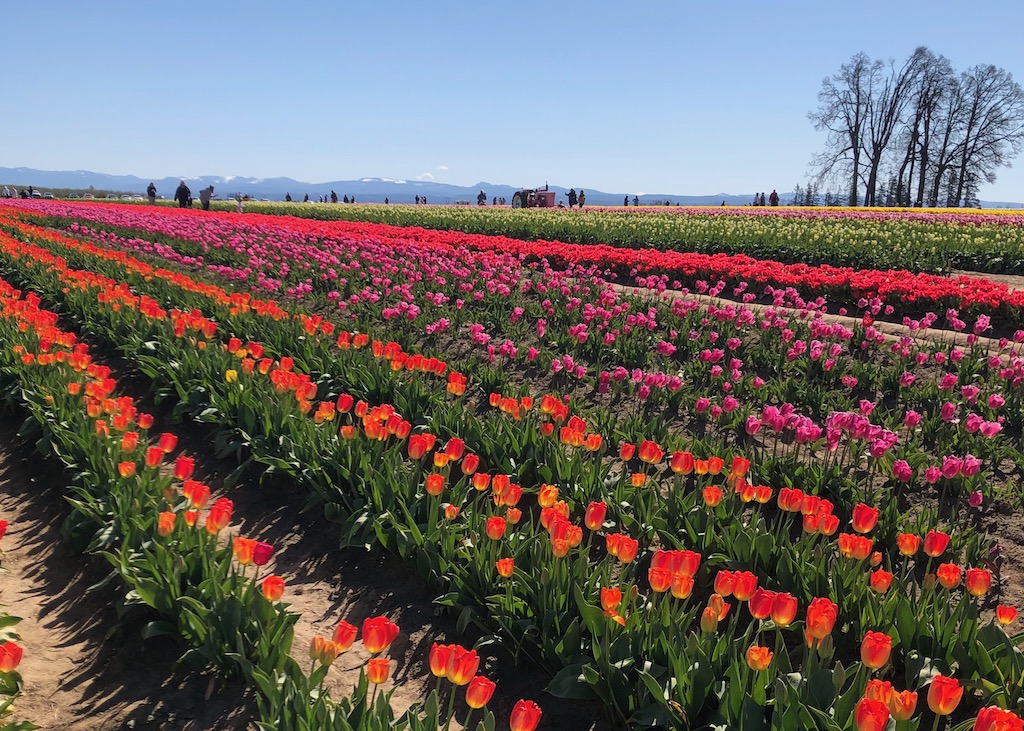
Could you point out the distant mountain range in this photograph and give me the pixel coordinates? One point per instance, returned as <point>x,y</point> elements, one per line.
<point>364,190</point>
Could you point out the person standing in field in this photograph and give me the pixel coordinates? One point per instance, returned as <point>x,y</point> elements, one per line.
<point>582,198</point>
<point>183,195</point>
<point>334,197</point>
<point>204,197</point>
<point>636,201</point>
<point>151,194</point>
<point>773,199</point>
<point>571,195</point>
<point>238,199</point>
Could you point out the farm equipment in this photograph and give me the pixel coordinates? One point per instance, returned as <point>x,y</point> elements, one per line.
<point>534,198</point>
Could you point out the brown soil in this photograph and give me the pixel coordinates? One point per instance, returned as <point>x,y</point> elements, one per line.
<point>82,669</point>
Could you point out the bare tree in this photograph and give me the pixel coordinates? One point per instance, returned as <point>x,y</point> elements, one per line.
<point>842,111</point>
<point>889,92</point>
<point>993,126</point>
<point>918,120</point>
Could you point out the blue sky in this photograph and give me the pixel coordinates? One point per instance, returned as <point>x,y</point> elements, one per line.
<point>677,97</point>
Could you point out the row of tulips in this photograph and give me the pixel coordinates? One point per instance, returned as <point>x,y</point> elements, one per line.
<point>151,525</point>
<point>989,398</point>
<point>495,530</point>
<point>11,653</point>
<point>272,261</point>
<point>915,239</point>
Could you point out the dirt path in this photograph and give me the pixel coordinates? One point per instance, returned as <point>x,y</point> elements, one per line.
<point>81,669</point>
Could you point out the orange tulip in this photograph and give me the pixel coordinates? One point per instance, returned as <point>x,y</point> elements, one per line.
<point>935,543</point>
<point>165,523</point>
<point>638,479</point>
<point>462,665</point>
<point>479,692</point>
<point>759,658</point>
<point>712,495</point>
<point>871,715</point>
<point>626,451</point>
<point>627,548</point>
<point>660,579</point>
<point>875,649</point>
<point>908,543</point>
<point>902,704</point>
<point>344,635</point>
<point>681,463</point>
<point>378,669</point>
<point>547,496</point>
<point>525,716</point>
<point>650,452</point>
<point>720,607</point>
<point>821,617</point>
<point>244,549</point>
<point>881,580</point>
<point>682,585</point>
<point>505,567</point>
<point>828,524</point>
<point>948,574</point>
<point>944,695</point>
<point>435,484</point>
<point>715,465</point>
<point>725,582</point>
<point>978,581</point>
<point>611,597</point>
<point>378,634</point>
<point>129,441</point>
<point>126,469</point>
<point>879,690</point>
<point>273,587</point>
<point>1006,613</point>
<point>219,515</point>
<point>709,620</point>
<point>451,512</point>
<point>495,528</point>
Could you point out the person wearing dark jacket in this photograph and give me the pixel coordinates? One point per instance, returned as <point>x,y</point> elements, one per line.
<point>151,194</point>
<point>571,195</point>
<point>183,195</point>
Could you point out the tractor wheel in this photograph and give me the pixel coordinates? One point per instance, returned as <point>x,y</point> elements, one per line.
<point>517,200</point>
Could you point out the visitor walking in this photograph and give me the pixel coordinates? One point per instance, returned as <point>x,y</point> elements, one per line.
<point>571,195</point>
<point>151,194</point>
<point>773,199</point>
<point>204,197</point>
<point>636,201</point>
<point>334,197</point>
<point>183,195</point>
<point>582,198</point>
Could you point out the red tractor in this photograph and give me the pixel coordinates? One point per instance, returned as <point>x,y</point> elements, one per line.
<point>534,198</point>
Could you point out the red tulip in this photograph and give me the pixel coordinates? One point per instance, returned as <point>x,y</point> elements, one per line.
<point>1006,613</point>
<point>183,467</point>
<point>525,716</point>
<point>10,656</point>
<point>875,649</point>
<point>821,617</point>
<point>948,575</point>
<point>378,633</point>
<point>746,584</point>
<point>881,580</point>
<point>462,665</point>
<point>262,553</point>
<point>273,587</point>
<point>784,608</point>
<point>219,515</point>
<point>978,581</point>
<point>595,515</point>
<point>167,442</point>
<point>479,692</point>
<point>344,635</point>
<point>944,695</point>
<point>865,518</point>
<point>935,543</point>
<point>994,718</point>
<point>871,715</point>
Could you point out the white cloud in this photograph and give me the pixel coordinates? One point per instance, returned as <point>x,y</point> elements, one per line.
<point>424,176</point>
<point>442,167</point>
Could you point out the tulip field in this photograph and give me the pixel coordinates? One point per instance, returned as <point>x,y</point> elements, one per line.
<point>692,487</point>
